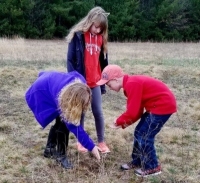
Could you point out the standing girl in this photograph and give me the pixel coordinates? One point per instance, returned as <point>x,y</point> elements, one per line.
<point>87,54</point>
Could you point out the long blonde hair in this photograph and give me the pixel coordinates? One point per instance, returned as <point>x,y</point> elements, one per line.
<point>74,100</point>
<point>96,14</point>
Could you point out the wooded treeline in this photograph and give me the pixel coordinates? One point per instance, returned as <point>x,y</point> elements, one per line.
<point>129,20</point>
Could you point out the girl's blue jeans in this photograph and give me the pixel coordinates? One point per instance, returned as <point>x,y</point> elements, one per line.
<point>144,153</point>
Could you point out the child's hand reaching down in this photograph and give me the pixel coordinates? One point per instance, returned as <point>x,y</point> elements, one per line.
<point>95,152</point>
<point>114,126</point>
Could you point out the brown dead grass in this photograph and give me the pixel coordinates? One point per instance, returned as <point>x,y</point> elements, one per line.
<point>22,140</point>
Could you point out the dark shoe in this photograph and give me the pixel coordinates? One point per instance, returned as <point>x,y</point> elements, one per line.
<point>145,173</point>
<point>49,152</point>
<point>128,166</point>
<point>62,159</point>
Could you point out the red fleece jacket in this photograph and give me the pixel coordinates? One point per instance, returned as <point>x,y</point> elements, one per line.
<point>91,58</point>
<point>145,93</point>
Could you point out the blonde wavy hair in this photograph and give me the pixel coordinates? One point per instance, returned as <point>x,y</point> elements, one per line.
<point>95,15</point>
<point>74,100</point>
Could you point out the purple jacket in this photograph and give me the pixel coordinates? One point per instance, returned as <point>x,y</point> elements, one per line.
<point>42,99</point>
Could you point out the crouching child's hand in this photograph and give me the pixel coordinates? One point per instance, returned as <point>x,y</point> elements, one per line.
<point>95,152</point>
<point>114,126</point>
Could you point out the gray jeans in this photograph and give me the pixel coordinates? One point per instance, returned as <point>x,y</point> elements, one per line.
<point>96,105</point>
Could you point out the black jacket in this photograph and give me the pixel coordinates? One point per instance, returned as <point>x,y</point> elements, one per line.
<point>75,56</point>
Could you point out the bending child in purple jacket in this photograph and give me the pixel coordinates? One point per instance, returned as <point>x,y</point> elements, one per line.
<point>64,97</point>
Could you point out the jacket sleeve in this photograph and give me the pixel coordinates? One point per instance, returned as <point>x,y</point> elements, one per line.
<point>71,55</point>
<point>134,106</point>
<point>103,63</point>
<point>81,135</point>
<point>103,89</point>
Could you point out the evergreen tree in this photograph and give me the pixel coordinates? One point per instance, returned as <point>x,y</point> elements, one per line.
<point>40,22</point>
<point>192,32</point>
<point>68,13</point>
<point>12,22</point>
<point>155,20</point>
<point>162,20</point>
<point>123,18</point>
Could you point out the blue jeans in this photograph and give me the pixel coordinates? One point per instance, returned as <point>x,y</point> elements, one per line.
<point>144,153</point>
<point>96,105</point>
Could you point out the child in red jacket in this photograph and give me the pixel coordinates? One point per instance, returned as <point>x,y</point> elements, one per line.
<point>149,100</point>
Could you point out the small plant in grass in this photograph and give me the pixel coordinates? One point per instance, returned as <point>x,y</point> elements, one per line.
<point>174,139</point>
<point>5,181</point>
<point>155,180</point>
<point>195,128</point>
<point>23,170</point>
<point>187,136</point>
<point>5,127</point>
<point>172,170</point>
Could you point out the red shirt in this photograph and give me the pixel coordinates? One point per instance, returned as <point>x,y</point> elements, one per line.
<point>144,92</point>
<point>91,58</point>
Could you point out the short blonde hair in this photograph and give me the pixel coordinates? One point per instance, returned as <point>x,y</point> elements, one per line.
<point>74,100</point>
<point>96,14</point>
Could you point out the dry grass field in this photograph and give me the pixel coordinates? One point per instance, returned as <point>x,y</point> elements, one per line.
<point>22,140</point>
